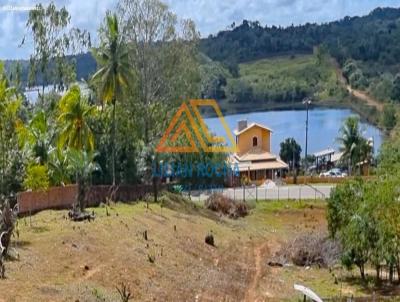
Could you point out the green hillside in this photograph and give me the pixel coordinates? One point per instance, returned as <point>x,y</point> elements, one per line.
<point>289,79</point>
<point>274,83</point>
<point>367,48</point>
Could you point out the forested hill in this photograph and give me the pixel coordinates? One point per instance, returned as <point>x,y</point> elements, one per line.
<point>85,66</point>
<point>373,37</point>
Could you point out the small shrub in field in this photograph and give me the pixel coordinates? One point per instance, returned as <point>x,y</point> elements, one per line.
<point>124,293</point>
<point>311,249</point>
<point>241,210</point>
<point>224,205</point>
<point>209,239</point>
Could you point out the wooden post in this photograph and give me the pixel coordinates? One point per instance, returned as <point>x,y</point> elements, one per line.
<point>256,193</point>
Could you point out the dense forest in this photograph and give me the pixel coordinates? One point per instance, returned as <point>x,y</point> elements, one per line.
<point>85,65</point>
<point>367,48</point>
<point>369,38</point>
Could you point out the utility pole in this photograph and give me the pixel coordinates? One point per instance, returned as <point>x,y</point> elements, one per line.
<point>307,102</point>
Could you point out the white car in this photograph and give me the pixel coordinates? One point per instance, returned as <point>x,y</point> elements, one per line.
<point>333,173</point>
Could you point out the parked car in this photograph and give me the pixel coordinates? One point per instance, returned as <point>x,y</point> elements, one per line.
<point>333,173</point>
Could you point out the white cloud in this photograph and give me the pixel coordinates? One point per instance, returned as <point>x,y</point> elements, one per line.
<point>209,15</point>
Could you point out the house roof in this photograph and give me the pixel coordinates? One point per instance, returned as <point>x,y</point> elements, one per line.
<point>326,152</point>
<point>257,159</point>
<point>337,157</point>
<point>255,154</point>
<point>267,165</point>
<point>237,132</point>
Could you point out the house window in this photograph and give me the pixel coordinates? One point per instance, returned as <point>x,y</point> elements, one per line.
<point>255,142</point>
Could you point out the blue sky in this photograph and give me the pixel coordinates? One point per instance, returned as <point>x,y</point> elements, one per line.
<point>210,15</point>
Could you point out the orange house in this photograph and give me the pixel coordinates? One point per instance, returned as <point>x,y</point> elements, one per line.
<point>253,154</point>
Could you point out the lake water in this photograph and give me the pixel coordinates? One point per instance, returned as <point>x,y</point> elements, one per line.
<point>324,125</point>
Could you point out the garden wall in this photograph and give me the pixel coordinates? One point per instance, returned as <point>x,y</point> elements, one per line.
<point>65,197</point>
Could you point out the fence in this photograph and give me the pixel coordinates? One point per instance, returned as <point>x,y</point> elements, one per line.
<point>246,193</point>
<point>65,197</point>
<point>324,180</point>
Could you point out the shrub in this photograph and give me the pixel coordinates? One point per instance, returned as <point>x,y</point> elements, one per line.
<point>209,239</point>
<point>311,249</point>
<point>226,206</point>
<point>37,178</point>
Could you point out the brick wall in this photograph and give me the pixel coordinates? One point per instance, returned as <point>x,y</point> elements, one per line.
<point>65,197</point>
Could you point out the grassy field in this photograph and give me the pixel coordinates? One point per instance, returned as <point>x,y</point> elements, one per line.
<point>286,73</point>
<point>60,260</point>
<point>281,83</point>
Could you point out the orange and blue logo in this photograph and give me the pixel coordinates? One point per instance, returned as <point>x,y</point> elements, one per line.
<point>188,123</point>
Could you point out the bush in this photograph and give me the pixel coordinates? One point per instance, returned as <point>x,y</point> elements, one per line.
<point>388,119</point>
<point>226,206</point>
<point>311,249</point>
<point>37,178</point>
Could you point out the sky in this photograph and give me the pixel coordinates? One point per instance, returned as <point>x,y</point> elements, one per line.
<point>210,16</point>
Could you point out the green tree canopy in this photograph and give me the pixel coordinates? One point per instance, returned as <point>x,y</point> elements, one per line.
<point>290,152</point>
<point>75,114</point>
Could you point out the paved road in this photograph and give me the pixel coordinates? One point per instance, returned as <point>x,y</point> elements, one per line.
<point>297,192</point>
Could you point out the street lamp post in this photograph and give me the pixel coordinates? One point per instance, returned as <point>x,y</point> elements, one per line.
<point>307,102</point>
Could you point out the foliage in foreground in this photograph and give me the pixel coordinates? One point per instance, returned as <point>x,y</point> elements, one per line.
<point>365,217</point>
<point>8,218</point>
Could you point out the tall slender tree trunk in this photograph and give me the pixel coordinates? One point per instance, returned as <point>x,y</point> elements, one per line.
<point>391,271</point>
<point>81,193</point>
<point>3,161</point>
<point>113,142</point>
<point>398,270</point>
<point>378,273</point>
<point>362,273</point>
<point>155,180</point>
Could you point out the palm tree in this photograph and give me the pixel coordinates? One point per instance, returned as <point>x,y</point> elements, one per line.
<point>354,146</point>
<point>58,167</point>
<point>77,138</point>
<point>114,73</point>
<point>83,165</point>
<point>75,113</point>
<point>36,137</point>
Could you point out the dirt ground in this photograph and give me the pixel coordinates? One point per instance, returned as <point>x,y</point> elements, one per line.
<point>60,260</point>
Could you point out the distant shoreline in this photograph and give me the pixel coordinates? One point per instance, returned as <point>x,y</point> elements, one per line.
<point>235,108</point>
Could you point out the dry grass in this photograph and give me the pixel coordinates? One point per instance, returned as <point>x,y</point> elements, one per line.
<point>62,260</point>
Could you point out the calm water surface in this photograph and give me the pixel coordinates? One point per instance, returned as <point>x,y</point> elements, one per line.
<point>324,125</point>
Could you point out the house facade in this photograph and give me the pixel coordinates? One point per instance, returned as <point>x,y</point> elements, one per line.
<point>253,155</point>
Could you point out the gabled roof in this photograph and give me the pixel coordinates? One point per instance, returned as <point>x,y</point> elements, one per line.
<point>256,154</point>
<point>236,132</point>
<point>267,165</point>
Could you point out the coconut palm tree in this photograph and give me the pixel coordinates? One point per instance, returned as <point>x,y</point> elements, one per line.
<point>77,138</point>
<point>58,167</point>
<point>82,164</point>
<point>114,73</point>
<point>354,146</point>
<point>36,137</point>
<point>75,113</point>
